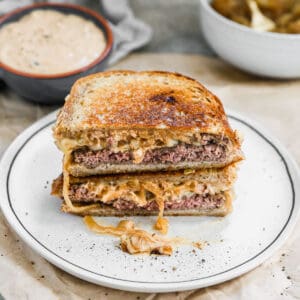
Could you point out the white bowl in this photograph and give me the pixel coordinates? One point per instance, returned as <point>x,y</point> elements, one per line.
<point>268,54</point>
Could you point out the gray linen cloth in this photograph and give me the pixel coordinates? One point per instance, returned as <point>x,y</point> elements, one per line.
<point>129,32</point>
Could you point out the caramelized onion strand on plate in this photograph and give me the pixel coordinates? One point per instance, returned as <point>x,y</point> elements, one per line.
<point>137,241</point>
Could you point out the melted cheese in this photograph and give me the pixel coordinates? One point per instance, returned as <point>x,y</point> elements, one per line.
<point>137,141</point>
<point>67,145</point>
<point>138,155</point>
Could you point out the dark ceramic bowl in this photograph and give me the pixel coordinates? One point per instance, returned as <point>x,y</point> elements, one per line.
<point>50,89</point>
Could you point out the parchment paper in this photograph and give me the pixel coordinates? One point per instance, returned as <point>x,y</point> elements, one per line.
<point>275,104</point>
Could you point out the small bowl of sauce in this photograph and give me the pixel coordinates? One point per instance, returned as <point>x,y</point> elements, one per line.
<point>46,47</point>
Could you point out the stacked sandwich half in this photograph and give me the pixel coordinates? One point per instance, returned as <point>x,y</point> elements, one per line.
<point>144,143</point>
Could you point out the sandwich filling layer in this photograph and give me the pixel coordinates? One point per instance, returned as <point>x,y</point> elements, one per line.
<point>168,155</point>
<point>195,148</point>
<point>149,194</point>
<point>82,195</point>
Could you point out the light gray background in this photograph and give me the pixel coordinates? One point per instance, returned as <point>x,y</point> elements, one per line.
<point>175,25</point>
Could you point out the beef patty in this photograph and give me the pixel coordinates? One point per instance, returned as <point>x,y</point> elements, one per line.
<point>167,155</point>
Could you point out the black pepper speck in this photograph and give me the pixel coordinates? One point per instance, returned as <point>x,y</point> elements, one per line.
<point>170,99</point>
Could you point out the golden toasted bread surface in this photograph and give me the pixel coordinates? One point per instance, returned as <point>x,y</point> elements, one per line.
<point>141,100</point>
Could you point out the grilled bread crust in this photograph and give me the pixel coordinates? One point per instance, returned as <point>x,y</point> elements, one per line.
<point>141,100</point>
<point>220,176</point>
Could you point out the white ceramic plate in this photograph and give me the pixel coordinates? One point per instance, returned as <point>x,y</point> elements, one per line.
<point>265,210</point>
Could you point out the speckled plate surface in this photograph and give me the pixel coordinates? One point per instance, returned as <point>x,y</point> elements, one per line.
<point>265,210</point>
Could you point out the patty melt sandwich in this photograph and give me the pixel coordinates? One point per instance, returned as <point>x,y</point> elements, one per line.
<point>139,143</point>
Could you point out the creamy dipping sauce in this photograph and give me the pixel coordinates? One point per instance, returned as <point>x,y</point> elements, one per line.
<point>50,42</point>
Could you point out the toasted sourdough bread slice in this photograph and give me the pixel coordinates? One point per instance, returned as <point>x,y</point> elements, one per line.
<point>199,192</point>
<point>135,112</point>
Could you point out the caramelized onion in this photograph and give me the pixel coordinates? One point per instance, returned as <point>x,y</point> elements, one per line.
<point>137,241</point>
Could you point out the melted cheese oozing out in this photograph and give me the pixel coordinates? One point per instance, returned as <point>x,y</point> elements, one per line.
<point>50,42</point>
<point>134,240</point>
